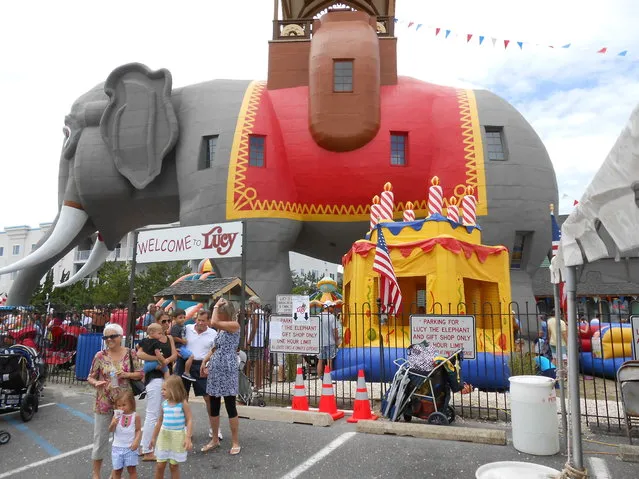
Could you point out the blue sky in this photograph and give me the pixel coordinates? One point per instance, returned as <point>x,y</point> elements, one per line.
<point>578,101</point>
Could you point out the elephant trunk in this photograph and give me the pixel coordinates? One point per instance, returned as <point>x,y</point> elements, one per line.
<point>98,255</point>
<point>72,219</point>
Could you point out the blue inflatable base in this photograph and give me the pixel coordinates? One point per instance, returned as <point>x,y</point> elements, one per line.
<point>605,368</point>
<point>487,371</point>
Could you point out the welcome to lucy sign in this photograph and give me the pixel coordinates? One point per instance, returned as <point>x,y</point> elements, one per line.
<point>222,240</point>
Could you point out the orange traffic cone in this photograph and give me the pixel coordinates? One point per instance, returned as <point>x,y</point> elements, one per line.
<point>300,400</point>
<point>327,402</point>
<point>362,407</point>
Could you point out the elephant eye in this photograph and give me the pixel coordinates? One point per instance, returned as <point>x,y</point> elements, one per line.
<point>67,133</point>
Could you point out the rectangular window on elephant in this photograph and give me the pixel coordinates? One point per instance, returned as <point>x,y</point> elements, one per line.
<point>399,142</point>
<point>1,250</point>
<point>256,150</point>
<point>207,153</point>
<point>495,144</point>
<point>343,76</point>
<point>520,249</point>
<point>16,249</point>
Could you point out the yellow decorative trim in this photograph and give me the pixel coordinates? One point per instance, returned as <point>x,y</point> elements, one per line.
<point>238,195</point>
<point>474,148</point>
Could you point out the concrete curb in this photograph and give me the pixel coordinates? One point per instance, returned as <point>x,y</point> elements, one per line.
<point>629,453</point>
<point>426,431</point>
<point>278,414</point>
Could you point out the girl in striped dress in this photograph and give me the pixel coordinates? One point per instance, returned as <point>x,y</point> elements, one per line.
<point>172,434</point>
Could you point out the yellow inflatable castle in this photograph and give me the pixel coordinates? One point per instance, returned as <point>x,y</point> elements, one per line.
<point>441,267</point>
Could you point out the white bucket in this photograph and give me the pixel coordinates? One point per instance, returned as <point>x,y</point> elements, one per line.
<point>533,406</point>
<point>511,469</point>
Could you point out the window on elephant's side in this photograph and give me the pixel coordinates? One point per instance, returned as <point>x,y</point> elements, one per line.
<point>1,250</point>
<point>16,249</point>
<point>398,149</point>
<point>519,251</point>
<point>495,145</point>
<point>256,150</point>
<point>207,153</point>
<point>343,76</point>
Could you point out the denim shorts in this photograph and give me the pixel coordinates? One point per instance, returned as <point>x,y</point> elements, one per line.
<point>328,352</point>
<point>123,457</point>
<point>184,352</point>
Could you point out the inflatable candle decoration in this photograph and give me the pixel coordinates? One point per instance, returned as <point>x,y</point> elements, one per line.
<point>452,212</point>
<point>469,207</point>
<point>387,202</point>
<point>375,212</point>
<point>435,197</point>
<point>409,214</point>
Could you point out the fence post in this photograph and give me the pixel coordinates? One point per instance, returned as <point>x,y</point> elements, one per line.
<point>131,319</point>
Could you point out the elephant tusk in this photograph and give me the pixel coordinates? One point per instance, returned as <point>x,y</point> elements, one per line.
<point>69,224</point>
<point>98,255</point>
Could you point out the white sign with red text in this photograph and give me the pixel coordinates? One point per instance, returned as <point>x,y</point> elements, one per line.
<point>294,337</point>
<point>222,240</point>
<point>447,333</point>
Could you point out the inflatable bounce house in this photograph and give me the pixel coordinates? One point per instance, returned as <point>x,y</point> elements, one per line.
<point>443,257</point>
<point>604,347</point>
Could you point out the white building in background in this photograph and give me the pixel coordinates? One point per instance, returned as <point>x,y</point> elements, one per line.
<point>16,242</point>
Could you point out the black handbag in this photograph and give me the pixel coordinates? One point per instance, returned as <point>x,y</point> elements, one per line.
<point>138,387</point>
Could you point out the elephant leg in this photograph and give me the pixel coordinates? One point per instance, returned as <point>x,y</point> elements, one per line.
<point>267,262</point>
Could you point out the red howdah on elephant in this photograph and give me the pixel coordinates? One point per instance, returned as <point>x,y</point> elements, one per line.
<point>299,163</point>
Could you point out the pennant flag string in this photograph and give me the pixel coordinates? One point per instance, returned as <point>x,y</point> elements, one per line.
<point>471,38</point>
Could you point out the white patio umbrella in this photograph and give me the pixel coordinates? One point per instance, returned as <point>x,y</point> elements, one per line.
<point>609,203</point>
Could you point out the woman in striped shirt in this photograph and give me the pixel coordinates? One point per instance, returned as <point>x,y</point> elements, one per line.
<point>172,434</point>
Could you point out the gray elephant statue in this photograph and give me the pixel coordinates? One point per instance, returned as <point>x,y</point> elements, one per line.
<point>138,152</point>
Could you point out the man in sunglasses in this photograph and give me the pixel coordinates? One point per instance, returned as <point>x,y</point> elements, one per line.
<point>199,340</point>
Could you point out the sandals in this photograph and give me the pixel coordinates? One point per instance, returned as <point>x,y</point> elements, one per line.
<point>149,457</point>
<point>209,447</point>
<point>235,450</point>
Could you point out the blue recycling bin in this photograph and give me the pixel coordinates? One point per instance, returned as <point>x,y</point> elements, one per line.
<point>88,345</point>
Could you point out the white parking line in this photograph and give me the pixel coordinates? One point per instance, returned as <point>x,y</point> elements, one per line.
<point>315,458</point>
<point>46,461</point>
<point>598,468</point>
<point>41,405</point>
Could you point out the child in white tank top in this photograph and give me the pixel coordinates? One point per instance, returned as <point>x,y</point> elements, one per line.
<point>127,432</point>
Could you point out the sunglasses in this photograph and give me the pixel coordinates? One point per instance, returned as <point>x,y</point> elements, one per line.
<point>164,321</point>
<point>110,336</point>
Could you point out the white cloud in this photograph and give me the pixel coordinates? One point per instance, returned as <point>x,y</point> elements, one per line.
<point>577,101</point>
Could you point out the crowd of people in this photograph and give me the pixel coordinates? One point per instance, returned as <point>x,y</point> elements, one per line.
<point>173,358</point>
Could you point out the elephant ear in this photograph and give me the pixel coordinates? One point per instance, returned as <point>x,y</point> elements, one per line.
<point>139,125</point>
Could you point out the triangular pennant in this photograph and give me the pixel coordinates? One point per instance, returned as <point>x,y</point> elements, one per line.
<point>410,24</point>
<point>468,37</point>
<point>603,50</point>
<point>437,30</point>
<point>396,20</point>
<point>481,39</point>
<point>622,54</point>
<point>494,40</point>
<point>447,33</point>
<point>567,45</point>
<point>551,46</point>
<point>521,45</point>
<point>506,42</point>
<point>419,25</point>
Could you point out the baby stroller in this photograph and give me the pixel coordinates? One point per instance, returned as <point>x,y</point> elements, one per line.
<point>416,392</point>
<point>245,389</point>
<point>22,375</point>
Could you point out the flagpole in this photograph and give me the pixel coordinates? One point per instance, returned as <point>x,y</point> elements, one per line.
<point>561,370</point>
<point>382,369</point>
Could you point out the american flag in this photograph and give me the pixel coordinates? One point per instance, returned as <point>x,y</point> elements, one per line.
<point>556,234</point>
<point>389,291</point>
<point>556,239</point>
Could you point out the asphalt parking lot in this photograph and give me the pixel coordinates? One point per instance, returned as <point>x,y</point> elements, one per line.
<point>57,443</point>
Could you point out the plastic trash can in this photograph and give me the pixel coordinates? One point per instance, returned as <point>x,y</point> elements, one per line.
<point>533,406</point>
<point>88,345</point>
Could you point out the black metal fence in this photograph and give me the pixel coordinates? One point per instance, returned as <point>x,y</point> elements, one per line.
<point>509,341</point>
